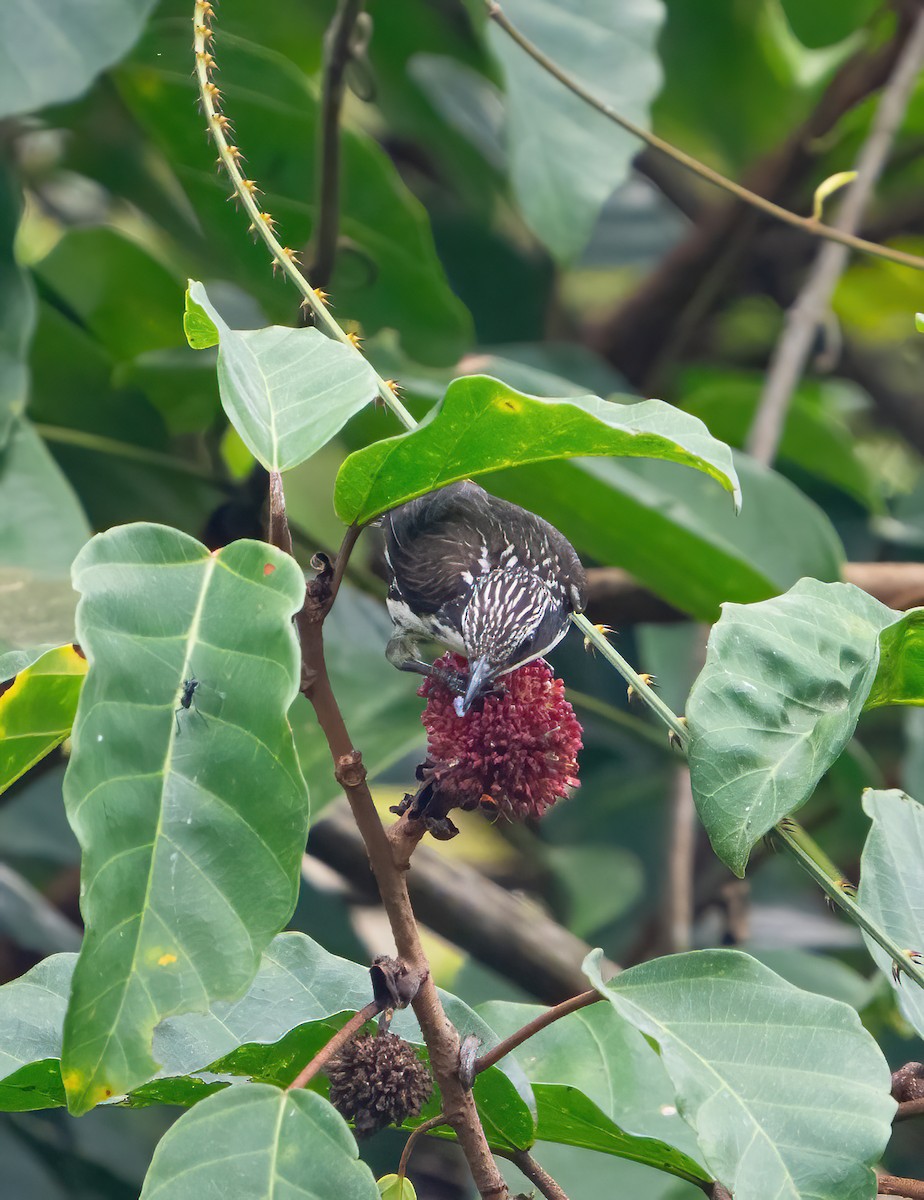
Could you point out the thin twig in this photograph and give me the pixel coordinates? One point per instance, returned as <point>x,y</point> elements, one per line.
<point>538,1175</point>
<point>531,1028</point>
<point>261,223</point>
<point>894,1185</point>
<point>439,1119</point>
<point>340,1038</point>
<point>677,910</point>
<point>337,54</point>
<point>804,318</point>
<point>807,224</point>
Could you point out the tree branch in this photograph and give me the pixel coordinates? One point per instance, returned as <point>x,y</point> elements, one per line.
<point>508,934</point>
<point>894,1185</point>
<point>531,1028</point>
<point>908,1109</point>
<point>439,1034</point>
<point>340,1038</point>
<point>806,224</point>
<point>337,55</point>
<point>537,1175</point>
<point>791,355</point>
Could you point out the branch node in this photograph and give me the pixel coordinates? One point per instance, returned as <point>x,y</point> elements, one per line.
<point>394,983</point>
<point>350,771</point>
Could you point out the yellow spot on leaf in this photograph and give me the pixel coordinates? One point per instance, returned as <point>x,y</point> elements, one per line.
<point>166,959</point>
<point>506,402</point>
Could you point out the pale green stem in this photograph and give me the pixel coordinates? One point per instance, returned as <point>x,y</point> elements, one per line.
<point>260,224</point>
<point>639,686</point>
<point>829,879</point>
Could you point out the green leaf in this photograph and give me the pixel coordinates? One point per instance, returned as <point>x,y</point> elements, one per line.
<point>483,425</point>
<point>37,711</point>
<point>391,1187</point>
<point>52,51</point>
<point>566,158</point>
<point>192,830</point>
<point>900,677</point>
<point>262,1144</point>
<point>595,1079</point>
<point>777,701</point>
<point>675,531</point>
<point>388,274</point>
<point>286,391</point>
<point>31,1018</point>
<point>826,21</point>
<point>892,887</point>
<point>41,523</point>
<point>786,1091</point>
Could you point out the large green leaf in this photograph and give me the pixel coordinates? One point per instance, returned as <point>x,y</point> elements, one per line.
<point>567,159</point>
<point>388,275</point>
<point>286,391</point>
<point>483,425</point>
<point>900,677</point>
<point>777,701</point>
<point>788,1094</point>
<point>37,711</point>
<point>192,830</point>
<point>675,531</point>
<point>596,1079</point>
<point>827,21</point>
<point>259,1143</point>
<point>52,51</point>
<point>892,887</point>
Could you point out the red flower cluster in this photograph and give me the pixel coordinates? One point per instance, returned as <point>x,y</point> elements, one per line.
<point>515,755</point>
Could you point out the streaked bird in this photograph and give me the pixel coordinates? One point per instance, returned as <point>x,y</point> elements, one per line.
<point>483,577</point>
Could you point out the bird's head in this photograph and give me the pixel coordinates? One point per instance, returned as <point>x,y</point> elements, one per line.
<point>511,618</point>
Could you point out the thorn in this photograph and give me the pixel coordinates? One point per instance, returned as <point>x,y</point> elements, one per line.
<point>207,61</point>
<point>204,11</point>
<point>268,221</point>
<point>291,255</point>
<point>205,33</point>
<point>631,692</point>
<point>223,123</point>
<point>213,93</point>
<point>787,823</point>
<point>322,296</point>
<point>355,340</point>
<point>235,153</point>
<point>899,969</point>
<point>251,187</point>
<point>603,630</point>
<point>845,886</point>
<point>672,739</point>
<point>393,386</point>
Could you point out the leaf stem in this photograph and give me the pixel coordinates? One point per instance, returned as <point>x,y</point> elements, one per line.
<point>340,1038</point>
<point>536,1025</point>
<point>806,224</point>
<point>832,882</point>
<point>550,1188</point>
<point>676,724</point>
<point>416,1134</point>
<point>261,223</point>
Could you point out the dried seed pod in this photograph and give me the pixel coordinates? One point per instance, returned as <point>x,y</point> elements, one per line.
<point>378,1080</point>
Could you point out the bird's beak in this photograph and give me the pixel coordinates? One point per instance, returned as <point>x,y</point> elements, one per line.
<point>481,673</point>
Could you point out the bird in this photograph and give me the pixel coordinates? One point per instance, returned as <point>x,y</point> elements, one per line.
<point>482,577</point>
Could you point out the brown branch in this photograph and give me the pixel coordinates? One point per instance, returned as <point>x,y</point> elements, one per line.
<point>538,1175</point>
<point>511,935</point>
<point>677,915</point>
<point>340,1038</point>
<point>806,224</point>
<point>531,1028</point>
<point>338,51</point>
<point>439,1034</point>
<point>894,1185</point>
<point>788,362</point>
<point>908,1109</point>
